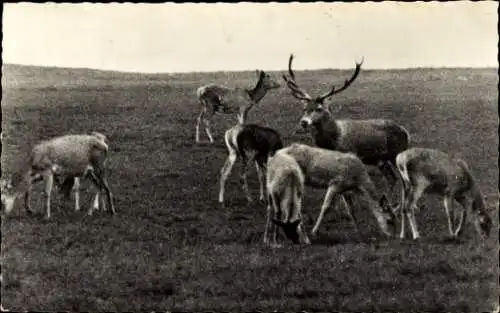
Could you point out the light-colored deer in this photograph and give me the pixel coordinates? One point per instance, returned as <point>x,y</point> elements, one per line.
<point>230,101</point>
<point>285,187</point>
<point>343,174</point>
<point>376,142</point>
<point>65,157</point>
<point>436,172</point>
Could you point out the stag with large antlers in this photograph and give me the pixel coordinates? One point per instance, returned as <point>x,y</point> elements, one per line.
<point>230,101</point>
<point>376,142</point>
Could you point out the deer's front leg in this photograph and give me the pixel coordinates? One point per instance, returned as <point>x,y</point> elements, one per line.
<point>449,209</point>
<point>225,172</point>
<point>76,191</point>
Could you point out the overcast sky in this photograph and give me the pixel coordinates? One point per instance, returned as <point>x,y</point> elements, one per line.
<point>211,37</point>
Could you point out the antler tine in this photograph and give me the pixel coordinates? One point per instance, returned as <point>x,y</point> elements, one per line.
<point>347,82</point>
<point>290,71</point>
<point>292,84</point>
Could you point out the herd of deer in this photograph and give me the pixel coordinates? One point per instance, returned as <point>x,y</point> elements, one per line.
<point>344,148</point>
<point>338,163</point>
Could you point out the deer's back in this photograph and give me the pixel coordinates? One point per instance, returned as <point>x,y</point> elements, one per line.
<point>72,152</point>
<point>371,140</point>
<point>252,137</point>
<point>442,171</point>
<point>323,166</point>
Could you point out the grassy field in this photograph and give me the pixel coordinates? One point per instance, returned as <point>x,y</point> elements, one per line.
<point>172,247</point>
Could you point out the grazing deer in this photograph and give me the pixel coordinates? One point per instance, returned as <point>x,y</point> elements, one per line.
<point>69,157</point>
<point>285,187</point>
<point>219,99</point>
<point>343,174</point>
<point>375,141</point>
<point>249,142</point>
<point>435,172</point>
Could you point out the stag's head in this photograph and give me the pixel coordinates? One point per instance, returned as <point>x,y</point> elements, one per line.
<point>266,81</point>
<point>315,108</point>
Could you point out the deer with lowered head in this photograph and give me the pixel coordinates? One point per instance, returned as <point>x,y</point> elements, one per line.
<point>68,157</point>
<point>342,174</point>
<point>432,171</point>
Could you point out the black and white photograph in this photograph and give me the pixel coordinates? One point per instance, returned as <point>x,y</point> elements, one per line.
<point>250,157</point>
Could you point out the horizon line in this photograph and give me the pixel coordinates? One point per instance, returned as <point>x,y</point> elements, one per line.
<point>249,70</point>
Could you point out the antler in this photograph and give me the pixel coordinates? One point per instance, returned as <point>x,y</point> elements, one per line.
<point>297,92</point>
<point>347,83</point>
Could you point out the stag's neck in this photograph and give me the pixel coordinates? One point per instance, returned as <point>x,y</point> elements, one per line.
<point>258,92</point>
<point>325,133</point>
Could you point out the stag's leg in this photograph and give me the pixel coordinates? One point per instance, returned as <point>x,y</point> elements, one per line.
<point>330,194</point>
<point>49,184</point>
<point>225,171</point>
<point>448,202</point>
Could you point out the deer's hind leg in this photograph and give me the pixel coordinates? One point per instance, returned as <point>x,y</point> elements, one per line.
<point>261,167</point>
<point>247,159</point>
<point>331,192</point>
<point>228,166</point>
